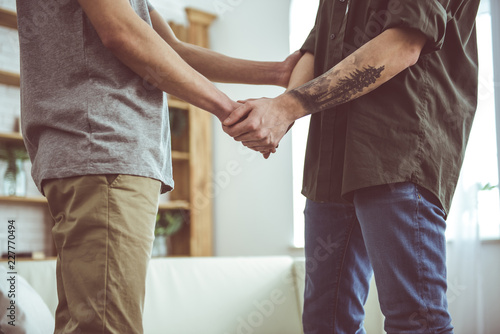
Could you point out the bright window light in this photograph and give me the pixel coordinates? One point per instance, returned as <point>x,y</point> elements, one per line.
<point>302,18</point>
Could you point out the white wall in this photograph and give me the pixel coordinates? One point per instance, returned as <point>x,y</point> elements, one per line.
<point>254,214</point>
<point>253,210</point>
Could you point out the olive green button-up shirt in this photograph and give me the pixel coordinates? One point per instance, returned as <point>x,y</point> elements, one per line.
<point>414,127</point>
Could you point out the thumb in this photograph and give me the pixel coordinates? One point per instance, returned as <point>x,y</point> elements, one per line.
<point>247,100</point>
<point>237,115</point>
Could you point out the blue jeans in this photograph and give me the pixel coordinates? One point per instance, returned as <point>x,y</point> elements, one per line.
<point>394,231</point>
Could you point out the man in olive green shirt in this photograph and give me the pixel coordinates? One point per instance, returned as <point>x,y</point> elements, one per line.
<point>392,105</point>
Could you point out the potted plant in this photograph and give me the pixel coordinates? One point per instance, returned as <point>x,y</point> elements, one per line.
<point>167,224</point>
<point>14,178</point>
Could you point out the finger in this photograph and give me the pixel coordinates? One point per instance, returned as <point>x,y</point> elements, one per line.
<point>250,137</point>
<point>247,100</point>
<point>260,143</point>
<point>237,115</point>
<point>254,145</point>
<point>235,131</point>
<point>262,149</point>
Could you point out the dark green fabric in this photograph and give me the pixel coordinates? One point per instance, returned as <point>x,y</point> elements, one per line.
<point>414,127</point>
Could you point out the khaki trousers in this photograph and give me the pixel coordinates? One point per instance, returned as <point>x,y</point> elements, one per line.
<point>104,231</point>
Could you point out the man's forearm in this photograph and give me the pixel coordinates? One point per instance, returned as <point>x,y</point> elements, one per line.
<point>261,124</point>
<point>303,71</point>
<point>365,70</point>
<point>221,68</point>
<point>140,48</point>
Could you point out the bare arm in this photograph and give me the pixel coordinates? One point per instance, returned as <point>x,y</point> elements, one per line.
<point>301,74</point>
<point>368,68</point>
<point>303,71</point>
<point>220,68</point>
<point>140,48</point>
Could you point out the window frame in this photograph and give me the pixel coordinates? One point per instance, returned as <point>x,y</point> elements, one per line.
<point>495,31</point>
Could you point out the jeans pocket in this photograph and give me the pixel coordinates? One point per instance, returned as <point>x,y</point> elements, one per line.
<point>431,199</point>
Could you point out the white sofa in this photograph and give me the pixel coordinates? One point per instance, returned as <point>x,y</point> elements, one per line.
<point>247,295</point>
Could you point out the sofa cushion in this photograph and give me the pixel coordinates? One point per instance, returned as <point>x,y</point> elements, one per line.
<point>22,310</point>
<point>221,296</point>
<point>41,275</point>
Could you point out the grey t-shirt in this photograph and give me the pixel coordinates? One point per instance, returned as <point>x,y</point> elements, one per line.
<point>83,111</point>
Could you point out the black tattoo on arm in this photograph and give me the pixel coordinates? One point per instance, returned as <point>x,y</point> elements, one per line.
<point>326,92</point>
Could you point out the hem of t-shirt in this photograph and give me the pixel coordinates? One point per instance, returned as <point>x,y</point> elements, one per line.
<point>167,183</point>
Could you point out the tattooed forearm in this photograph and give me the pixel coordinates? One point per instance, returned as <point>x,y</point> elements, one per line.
<point>327,91</point>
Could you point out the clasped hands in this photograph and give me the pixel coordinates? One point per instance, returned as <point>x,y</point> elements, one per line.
<point>260,124</point>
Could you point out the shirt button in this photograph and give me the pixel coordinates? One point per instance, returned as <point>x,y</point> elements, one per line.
<point>342,0</point>
<point>332,36</point>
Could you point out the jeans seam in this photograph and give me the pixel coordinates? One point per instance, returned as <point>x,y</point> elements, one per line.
<point>421,284</point>
<point>344,252</point>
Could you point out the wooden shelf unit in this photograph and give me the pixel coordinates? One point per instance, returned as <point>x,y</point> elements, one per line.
<point>192,161</point>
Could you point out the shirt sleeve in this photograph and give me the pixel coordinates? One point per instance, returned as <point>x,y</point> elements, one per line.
<point>310,43</point>
<point>150,6</point>
<point>427,16</point>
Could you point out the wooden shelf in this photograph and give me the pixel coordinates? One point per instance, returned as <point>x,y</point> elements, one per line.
<point>17,137</point>
<point>8,18</point>
<point>13,136</point>
<point>26,259</point>
<point>183,156</point>
<point>10,79</point>
<point>174,205</point>
<point>23,200</point>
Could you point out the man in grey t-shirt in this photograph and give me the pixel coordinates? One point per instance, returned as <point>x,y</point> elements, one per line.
<point>99,140</point>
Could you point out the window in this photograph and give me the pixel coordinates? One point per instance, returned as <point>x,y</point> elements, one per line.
<point>477,198</point>
<point>302,17</point>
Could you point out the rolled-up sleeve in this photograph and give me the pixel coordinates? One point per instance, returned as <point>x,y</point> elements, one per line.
<point>310,43</point>
<point>427,16</point>
<point>150,6</point>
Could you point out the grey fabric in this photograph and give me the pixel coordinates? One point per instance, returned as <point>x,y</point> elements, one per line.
<point>84,112</point>
<point>150,6</point>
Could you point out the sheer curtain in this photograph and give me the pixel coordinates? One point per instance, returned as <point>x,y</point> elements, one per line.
<point>474,215</point>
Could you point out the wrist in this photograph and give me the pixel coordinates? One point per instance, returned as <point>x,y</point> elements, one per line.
<point>269,73</point>
<point>281,75</point>
<point>224,108</point>
<point>293,107</point>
